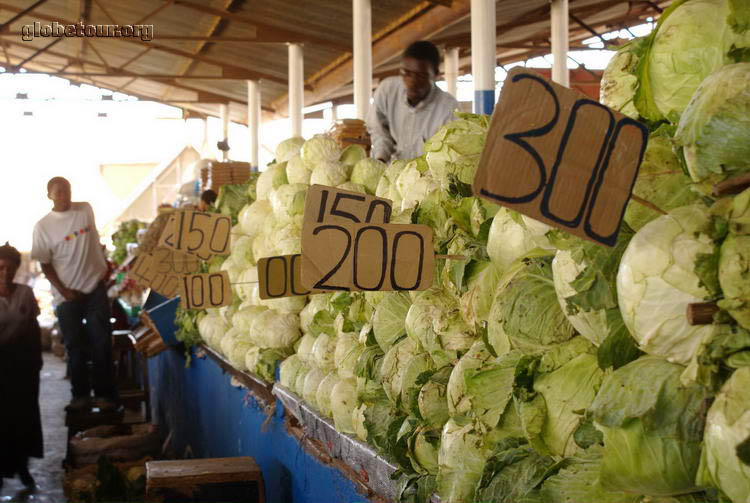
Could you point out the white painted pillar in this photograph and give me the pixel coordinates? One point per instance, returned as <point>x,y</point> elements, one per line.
<point>483,59</point>
<point>253,121</point>
<point>296,88</point>
<point>224,116</point>
<point>451,70</point>
<point>362,28</point>
<point>559,39</point>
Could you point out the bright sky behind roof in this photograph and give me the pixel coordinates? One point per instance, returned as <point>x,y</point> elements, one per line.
<point>61,129</point>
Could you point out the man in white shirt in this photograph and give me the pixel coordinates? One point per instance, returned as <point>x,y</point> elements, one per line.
<point>408,110</point>
<point>66,243</point>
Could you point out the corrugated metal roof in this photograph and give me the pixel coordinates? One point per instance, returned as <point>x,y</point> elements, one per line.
<point>324,26</point>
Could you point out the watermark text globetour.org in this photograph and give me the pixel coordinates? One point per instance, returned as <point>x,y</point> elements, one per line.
<point>55,30</point>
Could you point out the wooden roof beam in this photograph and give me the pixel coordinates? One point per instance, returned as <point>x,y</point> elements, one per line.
<point>263,29</point>
<point>433,20</point>
<point>21,14</point>
<point>171,50</point>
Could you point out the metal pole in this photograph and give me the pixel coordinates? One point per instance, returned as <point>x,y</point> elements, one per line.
<point>296,88</point>
<point>451,70</point>
<point>483,59</point>
<point>559,40</point>
<point>362,23</point>
<point>253,120</point>
<point>224,115</point>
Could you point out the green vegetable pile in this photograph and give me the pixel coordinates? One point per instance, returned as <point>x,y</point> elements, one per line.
<point>539,368</point>
<point>126,233</point>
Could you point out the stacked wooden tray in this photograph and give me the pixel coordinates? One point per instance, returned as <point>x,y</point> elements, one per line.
<point>228,173</point>
<point>148,340</point>
<point>351,132</point>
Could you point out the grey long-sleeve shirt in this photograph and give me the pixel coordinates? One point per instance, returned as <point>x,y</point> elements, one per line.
<point>399,130</point>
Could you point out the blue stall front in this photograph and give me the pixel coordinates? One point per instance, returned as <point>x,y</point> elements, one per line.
<point>210,412</point>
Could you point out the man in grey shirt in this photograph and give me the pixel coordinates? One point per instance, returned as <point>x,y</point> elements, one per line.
<point>409,109</point>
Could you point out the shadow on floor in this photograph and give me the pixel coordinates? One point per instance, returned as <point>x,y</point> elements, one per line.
<point>48,472</point>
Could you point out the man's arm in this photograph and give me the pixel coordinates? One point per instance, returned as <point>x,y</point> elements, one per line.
<point>383,144</point>
<point>51,274</point>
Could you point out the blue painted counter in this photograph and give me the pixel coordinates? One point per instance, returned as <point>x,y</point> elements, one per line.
<point>205,412</point>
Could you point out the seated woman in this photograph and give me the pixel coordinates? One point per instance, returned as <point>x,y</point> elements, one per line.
<point>20,362</point>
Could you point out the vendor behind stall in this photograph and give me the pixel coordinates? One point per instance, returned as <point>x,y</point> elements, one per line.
<point>409,109</point>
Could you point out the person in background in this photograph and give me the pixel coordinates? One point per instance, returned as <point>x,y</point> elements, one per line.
<point>208,198</point>
<point>66,243</point>
<point>20,363</point>
<point>408,110</point>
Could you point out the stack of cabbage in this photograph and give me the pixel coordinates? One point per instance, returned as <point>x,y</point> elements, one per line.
<point>539,368</point>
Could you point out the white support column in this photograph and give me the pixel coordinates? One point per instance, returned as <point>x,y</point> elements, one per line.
<point>253,120</point>
<point>296,88</point>
<point>451,70</point>
<point>483,59</point>
<point>362,24</point>
<point>224,116</point>
<point>559,39</point>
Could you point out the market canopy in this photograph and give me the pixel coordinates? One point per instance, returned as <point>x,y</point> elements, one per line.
<point>202,53</point>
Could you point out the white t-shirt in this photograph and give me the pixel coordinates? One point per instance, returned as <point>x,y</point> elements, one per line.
<point>70,242</point>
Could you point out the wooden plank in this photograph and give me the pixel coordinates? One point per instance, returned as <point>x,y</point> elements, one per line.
<point>21,14</point>
<point>201,471</point>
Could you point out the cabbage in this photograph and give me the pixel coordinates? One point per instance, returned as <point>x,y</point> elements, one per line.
<point>367,172</point>
<point>352,187</point>
<point>253,217</point>
<point>459,403</point>
<point>312,382</point>
<point>565,382</point>
<point>299,382</point>
<point>288,371</point>
<point>656,281</point>
<point>346,354</point>
<point>273,177</point>
<point>434,321</point>
<point>323,352</point>
<point>352,154</point>
<point>287,202</point>
<point>652,427</point>
<point>286,239</point>
<point>212,328</point>
<point>227,341</point>
<point>290,305</point>
<point>462,457</point>
<point>513,235</point>
<point>243,319</point>
<point>318,302</point>
<point>237,353</point>
<point>272,329</point>
<point>527,311</point>
<point>714,127</point>
<point>734,278</point>
<point>263,361</point>
<point>727,428</point>
<point>414,370</point>
<point>343,403</point>
<point>432,402</point>
<point>483,278</point>
<point>323,394</point>
<point>619,81</point>
<point>288,148</point>
<point>320,149</point>
<point>488,388</point>
<point>297,171</point>
<point>394,366</point>
<point>424,447</point>
<point>241,254</point>
<point>246,284</point>
<point>414,186</point>
<point>388,320</point>
<point>692,40</point>
<point>453,152</point>
<point>305,348</point>
<point>330,173</point>
<point>660,181</point>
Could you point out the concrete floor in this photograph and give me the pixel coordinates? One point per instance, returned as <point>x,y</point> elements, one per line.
<point>48,472</point>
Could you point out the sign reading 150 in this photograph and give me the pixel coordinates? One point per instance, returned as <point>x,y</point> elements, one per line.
<point>560,157</point>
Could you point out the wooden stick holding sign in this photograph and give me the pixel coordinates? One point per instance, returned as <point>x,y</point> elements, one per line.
<point>201,291</point>
<point>198,233</point>
<point>325,209</point>
<point>561,158</point>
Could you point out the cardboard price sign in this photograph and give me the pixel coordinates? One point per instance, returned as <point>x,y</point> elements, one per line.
<point>280,276</point>
<point>330,206</point>
<point>146,272</point>
<point>369,257</point>
<point>168,261</point>
<point>198,233</point>
<point>201,291</point>
<point>561,158</point>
